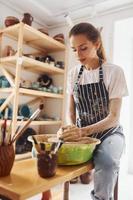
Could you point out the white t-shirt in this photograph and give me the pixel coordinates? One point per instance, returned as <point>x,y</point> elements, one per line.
<point>113,77</point>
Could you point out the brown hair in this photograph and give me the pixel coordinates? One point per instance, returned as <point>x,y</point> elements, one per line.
<point>91,33</point>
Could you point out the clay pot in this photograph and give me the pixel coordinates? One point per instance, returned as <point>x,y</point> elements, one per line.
<point>27,19</point>
<point>10,20</point>
<point>7,156</point>
<point>8,51</point>
<point>86,178</point>
<point>59,37</point>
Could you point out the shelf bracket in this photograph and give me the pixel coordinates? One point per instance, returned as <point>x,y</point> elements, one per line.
<point>6,102</point>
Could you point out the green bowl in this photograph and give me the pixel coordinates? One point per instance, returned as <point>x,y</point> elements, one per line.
<point>74,154</point>
<point>70,153</point>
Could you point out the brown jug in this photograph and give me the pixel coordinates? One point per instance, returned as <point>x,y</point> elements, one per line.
<point>27,19</point>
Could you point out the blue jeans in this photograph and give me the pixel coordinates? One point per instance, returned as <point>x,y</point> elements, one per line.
<point>107,160</point>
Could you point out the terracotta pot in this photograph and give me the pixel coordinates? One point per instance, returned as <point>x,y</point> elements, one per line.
<point>10,20</point>
<point>7,156</point>
<point>27,19</point>
<point>43,30</point>
<point>46,164</point>
<point>86,178</point>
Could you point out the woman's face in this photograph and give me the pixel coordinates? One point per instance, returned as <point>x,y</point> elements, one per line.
<point>84,49</point>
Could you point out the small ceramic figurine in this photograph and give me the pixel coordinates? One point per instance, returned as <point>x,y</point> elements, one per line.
<point>45,80</point>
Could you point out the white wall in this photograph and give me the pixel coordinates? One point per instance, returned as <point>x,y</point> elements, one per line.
<point>107,22</point>
<point>123,56</point>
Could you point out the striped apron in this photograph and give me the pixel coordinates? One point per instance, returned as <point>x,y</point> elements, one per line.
<point>92,103</point>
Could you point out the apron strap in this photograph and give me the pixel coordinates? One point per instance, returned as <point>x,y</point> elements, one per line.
<point>80,73</point>
<point>100,70</point>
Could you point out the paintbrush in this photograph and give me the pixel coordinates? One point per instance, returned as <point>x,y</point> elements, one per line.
<point>33,116</point>
<point>4,126</point>
<point>1,135</point>
<point>21,122</point>
<point>8,137</point>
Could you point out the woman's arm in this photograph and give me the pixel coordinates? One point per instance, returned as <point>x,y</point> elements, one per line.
<point>71,112</point>
<point>71,117</point>
<point>110,121</point>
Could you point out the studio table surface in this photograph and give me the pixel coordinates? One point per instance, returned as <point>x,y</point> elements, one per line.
<point>24,181</point>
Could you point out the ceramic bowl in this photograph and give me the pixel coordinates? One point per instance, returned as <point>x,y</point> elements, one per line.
<point>70,153</point>
<point>24,111</point>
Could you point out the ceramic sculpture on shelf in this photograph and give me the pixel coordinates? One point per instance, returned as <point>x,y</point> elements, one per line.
<point>8,51</point>
<point>27,19</point>
<point>11,20</point>
<point>45,81</point>
<point>60,38</point>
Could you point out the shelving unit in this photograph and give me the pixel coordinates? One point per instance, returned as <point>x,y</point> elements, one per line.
<point>24,34</point>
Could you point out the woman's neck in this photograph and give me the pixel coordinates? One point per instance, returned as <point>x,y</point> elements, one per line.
<point>92,64</point>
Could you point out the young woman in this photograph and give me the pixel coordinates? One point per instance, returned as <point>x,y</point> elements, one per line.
<point>95,89</point>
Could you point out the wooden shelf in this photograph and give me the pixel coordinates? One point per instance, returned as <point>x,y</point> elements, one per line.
<point>40,93</point>
<point>32,65</point>
<point>6,90</point>
<point>32,92</point>
<point>36,123</point>
<point>34,38</point>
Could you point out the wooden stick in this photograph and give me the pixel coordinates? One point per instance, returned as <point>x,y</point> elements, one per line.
<point>8,76</point>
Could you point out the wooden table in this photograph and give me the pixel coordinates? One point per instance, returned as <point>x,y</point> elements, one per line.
<point>24,181</point>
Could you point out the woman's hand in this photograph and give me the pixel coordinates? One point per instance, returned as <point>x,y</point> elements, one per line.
<point>64,128</point>
<point>72,133</point>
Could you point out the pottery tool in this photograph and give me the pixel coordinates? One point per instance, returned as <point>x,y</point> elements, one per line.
<point>53,145</point>
<point>22,129</point>
<point>42,145</point>
<point>36,145</point>
<point>57,146</point>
